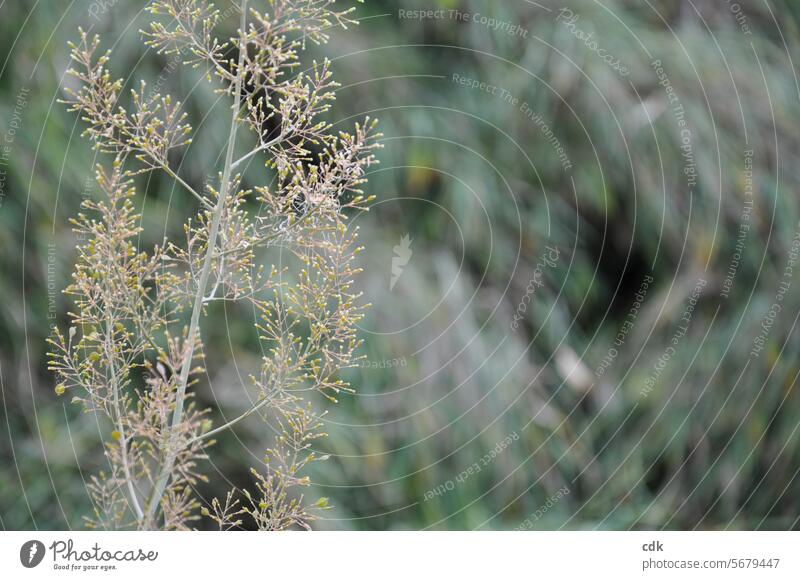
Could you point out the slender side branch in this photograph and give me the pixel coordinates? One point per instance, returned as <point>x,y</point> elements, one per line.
<point>188,187</point>
<point>233,422</point>
<point>262,147</point>
<point>123,440</point>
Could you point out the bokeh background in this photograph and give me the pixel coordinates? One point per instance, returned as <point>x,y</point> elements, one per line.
<point>582,329</point>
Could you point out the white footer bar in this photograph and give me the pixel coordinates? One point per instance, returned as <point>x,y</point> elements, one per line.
<point>408,555</point>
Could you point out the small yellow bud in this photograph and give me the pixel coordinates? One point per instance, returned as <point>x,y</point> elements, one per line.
<point>322,502</point>
<point>205,512</point>
<point>115,435</point>
<point>263,505</point>
<point>60,389</point>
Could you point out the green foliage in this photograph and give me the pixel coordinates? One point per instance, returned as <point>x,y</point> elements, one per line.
<point>710,446</point>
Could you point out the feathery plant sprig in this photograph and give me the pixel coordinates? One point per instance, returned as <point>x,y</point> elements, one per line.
<point>134,350</point>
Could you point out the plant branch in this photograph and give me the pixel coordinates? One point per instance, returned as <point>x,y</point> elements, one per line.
<point>123,441</point>
<point>232,422</point>
<point>177,416</point>
<point>188,187</point>
<point>261,147</point>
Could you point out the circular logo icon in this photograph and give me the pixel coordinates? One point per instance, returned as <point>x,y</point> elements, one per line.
<point>31,553</point>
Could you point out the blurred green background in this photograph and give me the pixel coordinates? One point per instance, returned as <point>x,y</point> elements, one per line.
<point>575,418</point>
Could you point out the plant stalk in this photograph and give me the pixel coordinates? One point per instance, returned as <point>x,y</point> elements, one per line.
<point>177,416</point>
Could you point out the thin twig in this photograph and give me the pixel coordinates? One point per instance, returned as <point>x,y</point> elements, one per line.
<point>123,441</point>
<point>188,187</point>
<point>261,147</point>
<point>232,422</point>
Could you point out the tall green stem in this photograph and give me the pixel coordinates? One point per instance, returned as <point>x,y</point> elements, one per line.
<point>194,323</point>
